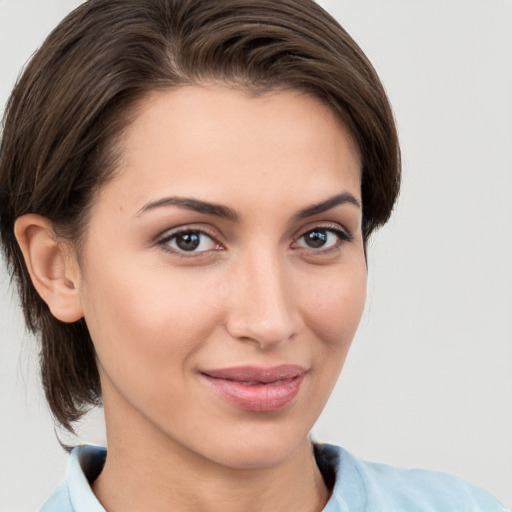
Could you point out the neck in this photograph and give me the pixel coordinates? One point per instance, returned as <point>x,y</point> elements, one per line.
<point>137,479</point>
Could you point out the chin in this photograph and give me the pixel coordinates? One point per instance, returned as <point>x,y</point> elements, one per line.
<point>261,450</point>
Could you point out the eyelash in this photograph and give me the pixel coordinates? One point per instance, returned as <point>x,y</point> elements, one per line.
<point>342,235</point>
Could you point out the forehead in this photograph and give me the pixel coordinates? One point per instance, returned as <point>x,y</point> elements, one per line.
<point>211,142</point>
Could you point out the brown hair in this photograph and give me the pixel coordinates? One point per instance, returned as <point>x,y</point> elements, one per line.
<point>71,104</point>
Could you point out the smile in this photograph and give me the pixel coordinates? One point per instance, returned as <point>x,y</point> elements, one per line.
<point>256,389</point>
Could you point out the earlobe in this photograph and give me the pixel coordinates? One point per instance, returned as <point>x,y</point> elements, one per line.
<point>53,269</point>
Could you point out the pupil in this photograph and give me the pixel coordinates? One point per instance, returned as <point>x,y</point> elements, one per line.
<point>188,241</point>
<point>316,238</point>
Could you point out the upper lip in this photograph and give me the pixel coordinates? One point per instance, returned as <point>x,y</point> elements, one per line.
<point>256,373</point>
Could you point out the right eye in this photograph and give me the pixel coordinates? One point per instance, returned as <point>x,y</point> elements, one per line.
<point>190,241</point>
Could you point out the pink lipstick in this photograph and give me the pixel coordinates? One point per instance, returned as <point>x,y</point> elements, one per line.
<point>257,389</point>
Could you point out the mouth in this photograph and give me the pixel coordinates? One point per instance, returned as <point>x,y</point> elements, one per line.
<point>256,389</point>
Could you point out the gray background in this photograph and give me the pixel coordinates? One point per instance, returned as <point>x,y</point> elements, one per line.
<point>429,379</point>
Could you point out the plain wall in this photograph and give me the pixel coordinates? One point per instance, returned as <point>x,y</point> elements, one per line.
<point>428,381</point>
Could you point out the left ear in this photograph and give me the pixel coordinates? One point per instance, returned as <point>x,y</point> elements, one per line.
<point>52,266</point>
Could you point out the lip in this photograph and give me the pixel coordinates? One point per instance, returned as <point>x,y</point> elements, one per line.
<point>256,389</point>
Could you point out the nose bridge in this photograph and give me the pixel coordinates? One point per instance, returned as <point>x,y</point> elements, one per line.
<point>262,308</point>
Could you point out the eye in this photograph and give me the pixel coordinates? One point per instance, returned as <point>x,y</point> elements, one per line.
<point>189,241</point>
<point>322,238</point>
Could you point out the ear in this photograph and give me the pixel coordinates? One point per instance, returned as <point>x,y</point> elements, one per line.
<point>52,266</point>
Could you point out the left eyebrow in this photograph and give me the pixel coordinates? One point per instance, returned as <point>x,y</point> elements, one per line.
<point>315,209</point>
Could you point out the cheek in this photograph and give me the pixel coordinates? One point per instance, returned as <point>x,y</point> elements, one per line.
<point>334,310</point>
<point>146,317</point>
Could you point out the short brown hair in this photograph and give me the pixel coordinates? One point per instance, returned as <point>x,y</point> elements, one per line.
<point>71,103</point>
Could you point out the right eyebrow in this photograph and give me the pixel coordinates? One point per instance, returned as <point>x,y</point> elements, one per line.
<point>191,204</point>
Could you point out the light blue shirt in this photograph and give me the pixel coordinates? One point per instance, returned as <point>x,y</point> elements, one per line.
<point>359,486</point>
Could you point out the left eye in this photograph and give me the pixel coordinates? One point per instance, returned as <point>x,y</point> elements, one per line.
<point>320,238</point>
<point>190,241</point>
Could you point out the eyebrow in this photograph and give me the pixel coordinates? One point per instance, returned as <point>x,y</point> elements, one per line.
<point>328,204</point>
<point>191,204</point>
<point>218,210</point>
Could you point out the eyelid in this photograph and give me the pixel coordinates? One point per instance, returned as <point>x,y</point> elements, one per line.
<point>184,228</point>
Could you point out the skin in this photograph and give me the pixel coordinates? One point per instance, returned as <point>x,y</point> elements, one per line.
<point>253,293</point>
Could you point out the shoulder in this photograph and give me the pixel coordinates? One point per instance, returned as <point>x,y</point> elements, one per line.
<point>75,493</point>
<point>369,486</point>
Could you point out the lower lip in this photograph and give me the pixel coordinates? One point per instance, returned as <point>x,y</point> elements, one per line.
<point>257,397</point>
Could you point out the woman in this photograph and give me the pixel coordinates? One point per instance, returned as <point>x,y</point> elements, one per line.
<point>147,151</point>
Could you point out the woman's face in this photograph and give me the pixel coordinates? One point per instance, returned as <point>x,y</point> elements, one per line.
<point>223,273</point>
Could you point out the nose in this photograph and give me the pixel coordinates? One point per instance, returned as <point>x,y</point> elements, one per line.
<point>262,308</point>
